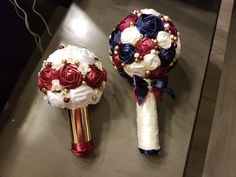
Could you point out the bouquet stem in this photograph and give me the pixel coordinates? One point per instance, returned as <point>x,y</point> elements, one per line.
<point>147,126</point>
<point>80,131</point>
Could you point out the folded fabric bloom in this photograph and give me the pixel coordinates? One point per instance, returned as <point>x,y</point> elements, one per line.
<point>73,78</point>
<point>144,47</point>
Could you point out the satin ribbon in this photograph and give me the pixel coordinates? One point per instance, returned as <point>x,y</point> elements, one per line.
<point>140,91</point>
<point>159,86</point>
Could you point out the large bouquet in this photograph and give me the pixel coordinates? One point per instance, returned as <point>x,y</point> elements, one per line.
<point>144,47</point>
<point>73,78</point>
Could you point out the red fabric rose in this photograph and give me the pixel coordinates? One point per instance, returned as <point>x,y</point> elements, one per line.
<point>160,71</point>
<point>70,77</point>
<point>116,61</point>
<point>95,77</point>
<point>144,46</point>
<point>46,76</point>
<point>126,22</point>
<point>171,27</point>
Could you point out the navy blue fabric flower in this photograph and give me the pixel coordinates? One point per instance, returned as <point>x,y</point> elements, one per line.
<point>115,38</point>
<point>126,53</point>
<point>167,55</point>
<point>149,25</point>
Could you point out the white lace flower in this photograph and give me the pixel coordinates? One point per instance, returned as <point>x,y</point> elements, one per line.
<point>99,65</point>
<point>84,68</point>
<point>56,85</point>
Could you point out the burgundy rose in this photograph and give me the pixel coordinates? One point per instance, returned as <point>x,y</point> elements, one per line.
<point>46,76</point>
<point>171,27</point>
<point>70,77</point>
<point>126,22</point>
<point>116,61</point>
<point>144,46</point>
<point>160,71</point>
<point>95,77</point>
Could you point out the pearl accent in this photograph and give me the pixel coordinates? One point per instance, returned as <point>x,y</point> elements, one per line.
<point>136,55</point>
<point>166,17</point>
<point>166,25</point>
<point>153,52</point>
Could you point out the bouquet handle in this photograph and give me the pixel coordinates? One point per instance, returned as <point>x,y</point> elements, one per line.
<point>147,126</point>
<point>81,141</point>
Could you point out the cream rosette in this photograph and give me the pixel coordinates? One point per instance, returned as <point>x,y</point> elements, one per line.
<point>144,47</point>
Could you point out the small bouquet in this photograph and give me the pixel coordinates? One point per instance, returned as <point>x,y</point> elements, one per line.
<point>144,47</point>
<point>73,78</point>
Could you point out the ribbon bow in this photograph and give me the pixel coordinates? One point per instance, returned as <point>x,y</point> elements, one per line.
<point>159,86</point>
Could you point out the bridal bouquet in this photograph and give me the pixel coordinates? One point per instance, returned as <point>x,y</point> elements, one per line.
<point>73,78</point>
<point>144,47</point>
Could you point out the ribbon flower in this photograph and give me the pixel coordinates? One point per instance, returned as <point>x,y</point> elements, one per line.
<point>159,86</point>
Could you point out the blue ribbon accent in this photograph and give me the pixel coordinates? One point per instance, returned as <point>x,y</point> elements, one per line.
<point>161,84</point>
<point>141,87</point>
<point>150,152</point>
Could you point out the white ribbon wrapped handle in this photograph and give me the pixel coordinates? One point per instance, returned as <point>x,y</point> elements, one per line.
<point>147,122</point>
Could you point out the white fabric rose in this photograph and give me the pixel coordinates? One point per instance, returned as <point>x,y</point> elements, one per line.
<point>56,99</point>
<point>71,54</point>
<point>164,39</point>
<point>56,58</point>
<point>83,55</point>
<point>150,62</point>
<point>150,11</point>
<point>97,94</point>
<point>84,68</point>
<point>81,96</point>
<point>130,35</point>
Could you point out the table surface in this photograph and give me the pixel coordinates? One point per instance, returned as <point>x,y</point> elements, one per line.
<point>36,142</point>
<point>222,140</point>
